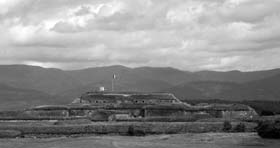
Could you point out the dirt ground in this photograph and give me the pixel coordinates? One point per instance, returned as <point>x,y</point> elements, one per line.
<point>203,140</point>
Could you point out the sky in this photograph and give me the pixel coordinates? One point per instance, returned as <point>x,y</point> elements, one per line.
<point>185,34</point>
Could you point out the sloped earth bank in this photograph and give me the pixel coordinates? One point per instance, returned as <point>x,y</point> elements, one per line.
<point>190,140</point>
<point>120,128</point>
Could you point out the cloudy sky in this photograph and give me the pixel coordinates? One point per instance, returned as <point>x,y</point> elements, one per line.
<point>185,34</point>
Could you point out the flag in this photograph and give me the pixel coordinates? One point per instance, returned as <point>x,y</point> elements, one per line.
<point>114,76</point>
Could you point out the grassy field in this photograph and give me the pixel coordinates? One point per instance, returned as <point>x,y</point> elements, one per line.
<point>190,140</point>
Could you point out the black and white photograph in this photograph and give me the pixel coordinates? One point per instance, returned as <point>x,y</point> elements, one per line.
<point>139,73</point>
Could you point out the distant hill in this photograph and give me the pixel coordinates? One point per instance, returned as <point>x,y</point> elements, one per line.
<point>51,80</point>
<point>55,81</point>
<point>265,89</point>
<point>143,85</point>
<point>55,85</point>
<point>270,85</point>
<point>167,74</point>
<point>235,76</point>
<point>17,98</point>
<point>97,74</point>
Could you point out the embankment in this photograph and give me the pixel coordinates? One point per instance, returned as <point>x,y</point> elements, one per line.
<point>121,128</point>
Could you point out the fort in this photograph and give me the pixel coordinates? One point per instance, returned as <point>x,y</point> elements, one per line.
<point>135,106</point>
<point>125,113</point>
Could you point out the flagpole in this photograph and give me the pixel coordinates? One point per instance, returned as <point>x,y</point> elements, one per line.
<point>113,81</point>
<point>113,84</point>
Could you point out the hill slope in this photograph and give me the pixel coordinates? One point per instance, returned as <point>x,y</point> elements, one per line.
<point>51,81</point>
<point>235,76</point>
<point>166,74</point>
<point>21,84</point>
<point>55,81</point>
<point>17,98</point>
<point>264,89</point>
<point>143,85</point>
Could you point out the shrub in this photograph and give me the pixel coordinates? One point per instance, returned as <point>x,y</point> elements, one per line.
<point>227,126</point>
<point>73,122</point>
<point>9,133</point>
<point>240,127</point>
<point>215,120</point>
<point>269,129</point>
<point>170,119</point>
<point>133,131</point>
<point>100,115</point>
<point>267,113</point>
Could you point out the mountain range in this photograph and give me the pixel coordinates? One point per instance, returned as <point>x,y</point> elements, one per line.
<point>24,86</point>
